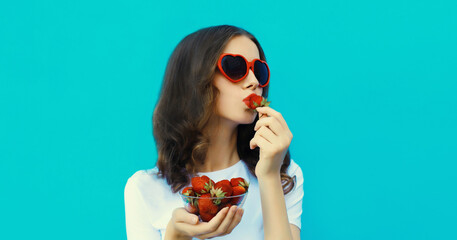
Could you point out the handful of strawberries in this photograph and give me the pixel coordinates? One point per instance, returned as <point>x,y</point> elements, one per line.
<point>206,198</point>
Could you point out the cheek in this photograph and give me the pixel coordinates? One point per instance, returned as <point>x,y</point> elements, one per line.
<point>229,100</point>
<point>225,102</point>
<point>219,80</point>
<point>227,105</point>
<point>227,90</point>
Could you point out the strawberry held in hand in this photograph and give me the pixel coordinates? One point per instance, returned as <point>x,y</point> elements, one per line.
<point>253,101</point>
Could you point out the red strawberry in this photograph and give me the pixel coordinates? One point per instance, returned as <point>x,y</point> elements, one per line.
<point>253,101</point>
<point>239,181</point>
<point>207,207</point>
<point>188,191</point>
<point>202,185</point>
<point>207,216</point>
<point>226,188</point>
<point>237,190</point>
<point>206,204</point>
<point>190,202</point>
<point>218,193</point>
<point>190,207</point>
<point>223,205</point>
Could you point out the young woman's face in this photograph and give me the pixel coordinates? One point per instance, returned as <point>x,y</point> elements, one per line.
<point>230,103</point>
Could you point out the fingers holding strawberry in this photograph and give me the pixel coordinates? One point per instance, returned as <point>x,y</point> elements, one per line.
<point>273,137</point>
<point>272,113</point>
<point>273,123</point>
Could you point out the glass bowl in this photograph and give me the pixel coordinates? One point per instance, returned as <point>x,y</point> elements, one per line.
<point>191,203</point>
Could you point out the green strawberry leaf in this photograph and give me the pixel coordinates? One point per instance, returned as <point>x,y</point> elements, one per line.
<point>208,186</point>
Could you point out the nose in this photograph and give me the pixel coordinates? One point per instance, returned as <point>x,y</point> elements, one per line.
<point>251,80</point>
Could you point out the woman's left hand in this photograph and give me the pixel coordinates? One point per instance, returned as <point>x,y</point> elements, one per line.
<point>273,137</point>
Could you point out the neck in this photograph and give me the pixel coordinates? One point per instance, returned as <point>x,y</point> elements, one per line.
<point>222,151</point>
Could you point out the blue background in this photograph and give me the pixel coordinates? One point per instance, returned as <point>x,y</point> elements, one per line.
<point>368,89</point>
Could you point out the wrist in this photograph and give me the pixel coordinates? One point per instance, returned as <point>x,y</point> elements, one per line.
<point>269,177</point>
<point>171,233</point>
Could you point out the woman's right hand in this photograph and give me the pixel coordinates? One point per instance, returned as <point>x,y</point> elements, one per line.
<point>184,225</point>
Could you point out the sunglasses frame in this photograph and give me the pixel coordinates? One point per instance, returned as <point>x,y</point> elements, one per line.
<point>250,65</point>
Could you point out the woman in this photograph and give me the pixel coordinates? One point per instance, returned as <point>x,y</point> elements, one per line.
<point>202,127</point>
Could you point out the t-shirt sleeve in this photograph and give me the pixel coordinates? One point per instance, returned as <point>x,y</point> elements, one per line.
<point>138,225</point>
<point>294,198</point>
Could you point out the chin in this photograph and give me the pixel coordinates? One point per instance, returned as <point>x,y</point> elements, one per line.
<point>251,115</point>
<point>246,117</point>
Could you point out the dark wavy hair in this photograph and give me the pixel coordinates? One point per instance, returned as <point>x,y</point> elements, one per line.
<point>186,103</point>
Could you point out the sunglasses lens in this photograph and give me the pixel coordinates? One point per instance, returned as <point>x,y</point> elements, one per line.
<point>261,72</point>
<point>234,66</point>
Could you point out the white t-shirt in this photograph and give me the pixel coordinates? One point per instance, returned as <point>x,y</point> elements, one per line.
<point>149,203</point>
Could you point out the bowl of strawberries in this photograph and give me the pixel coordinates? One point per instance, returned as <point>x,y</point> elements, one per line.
<point>205,198</point>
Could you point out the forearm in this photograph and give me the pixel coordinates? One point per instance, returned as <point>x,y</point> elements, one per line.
<point>275,222</point>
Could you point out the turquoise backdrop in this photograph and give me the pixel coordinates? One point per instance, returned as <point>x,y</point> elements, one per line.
<point>368,88</point>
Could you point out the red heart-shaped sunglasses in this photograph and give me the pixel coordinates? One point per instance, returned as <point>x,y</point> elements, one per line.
<point>235,68</point>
